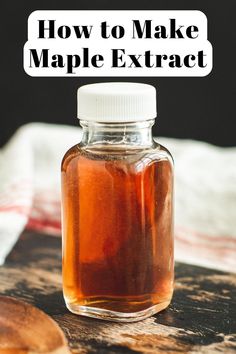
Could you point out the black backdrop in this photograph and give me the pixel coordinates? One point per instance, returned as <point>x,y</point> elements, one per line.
<point>198,108</point>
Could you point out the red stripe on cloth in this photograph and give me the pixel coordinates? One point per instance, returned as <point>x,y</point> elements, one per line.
<point>181,230</point>
<point>41,224</point>
<point>19,209</point>
<point>201,252</point>
<point>204,247</point>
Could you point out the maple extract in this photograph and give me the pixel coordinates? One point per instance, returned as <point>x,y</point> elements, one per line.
<point>117,207</point>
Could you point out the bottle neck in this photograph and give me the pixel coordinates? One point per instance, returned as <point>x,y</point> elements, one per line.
<point>134,134</point>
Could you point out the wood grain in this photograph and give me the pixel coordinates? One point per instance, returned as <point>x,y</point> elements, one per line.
<point>201,318</point>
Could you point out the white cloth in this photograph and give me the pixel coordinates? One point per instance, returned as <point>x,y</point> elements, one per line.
<point>205,192</point>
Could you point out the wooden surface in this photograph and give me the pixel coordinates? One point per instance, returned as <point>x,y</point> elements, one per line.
<point>201,318</point>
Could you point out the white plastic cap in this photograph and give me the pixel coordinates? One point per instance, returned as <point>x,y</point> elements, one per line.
<point>116,102</point>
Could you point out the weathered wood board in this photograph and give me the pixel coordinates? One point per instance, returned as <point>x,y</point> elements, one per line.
<point>201,318</point>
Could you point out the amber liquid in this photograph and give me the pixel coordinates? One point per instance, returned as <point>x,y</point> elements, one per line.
<point>117,230</point>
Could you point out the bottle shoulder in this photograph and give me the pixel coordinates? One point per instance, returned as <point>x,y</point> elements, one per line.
<point>164,152</point>
<point>152,154</point>
<point>69,156</point>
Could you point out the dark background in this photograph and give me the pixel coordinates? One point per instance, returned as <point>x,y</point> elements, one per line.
<point>197,108</point>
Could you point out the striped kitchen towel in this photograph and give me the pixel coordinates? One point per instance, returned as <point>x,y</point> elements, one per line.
<point>205,192</point>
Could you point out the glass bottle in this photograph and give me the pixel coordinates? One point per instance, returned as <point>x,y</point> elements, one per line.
<point>117,207</point>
